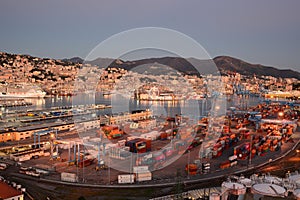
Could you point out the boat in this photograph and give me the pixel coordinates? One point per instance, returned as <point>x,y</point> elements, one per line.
<point>281,94</point>
<point>23,90</point>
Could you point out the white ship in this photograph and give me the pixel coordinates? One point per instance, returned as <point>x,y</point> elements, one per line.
<point>21,91</point>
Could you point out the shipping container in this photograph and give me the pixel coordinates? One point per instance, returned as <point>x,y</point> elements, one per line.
<point>163,136</point>
<point>191,169</point>
<point>139,145</point>
<point>145,160</point>
<point>225,165</point>
<point>128,178</point>
<point>120,153</point>
<point>145,176</point>
<point>140,169</point>
<point>158,156</point>
<point>69,177</point>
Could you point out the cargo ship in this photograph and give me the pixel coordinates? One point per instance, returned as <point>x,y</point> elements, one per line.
<point>21,91</point>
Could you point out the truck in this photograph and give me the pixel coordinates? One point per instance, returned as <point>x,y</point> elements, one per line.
<point>233,160</point>
<point>205,168</point>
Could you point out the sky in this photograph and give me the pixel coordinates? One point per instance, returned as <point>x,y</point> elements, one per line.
<point>258,31</point>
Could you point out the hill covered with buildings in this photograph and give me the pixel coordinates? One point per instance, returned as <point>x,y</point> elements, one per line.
<point>57,76</point>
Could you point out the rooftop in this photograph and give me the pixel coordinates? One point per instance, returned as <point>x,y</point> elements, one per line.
<point>7,191</point>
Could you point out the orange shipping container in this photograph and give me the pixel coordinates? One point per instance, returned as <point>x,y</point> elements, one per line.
<point>163,135</point>
<point>225,165</point>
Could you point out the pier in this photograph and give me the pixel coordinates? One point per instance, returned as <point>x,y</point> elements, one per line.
<point>6,103</point>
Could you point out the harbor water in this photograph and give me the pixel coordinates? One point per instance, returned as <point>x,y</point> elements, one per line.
<point>170,108</point>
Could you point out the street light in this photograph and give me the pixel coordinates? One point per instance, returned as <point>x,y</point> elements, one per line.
<point>280,114</point>
<point>188,165</point>
<point>250,154</point>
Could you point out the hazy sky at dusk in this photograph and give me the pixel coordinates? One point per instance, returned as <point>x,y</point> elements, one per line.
<point>258,31</point>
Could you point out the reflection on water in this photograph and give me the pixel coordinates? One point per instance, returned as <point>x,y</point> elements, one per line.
<point>37,102</point>
<point>171,108</point>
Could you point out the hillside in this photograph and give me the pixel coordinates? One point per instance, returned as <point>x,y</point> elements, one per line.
<point>226,63</point>
<point>223,63</point>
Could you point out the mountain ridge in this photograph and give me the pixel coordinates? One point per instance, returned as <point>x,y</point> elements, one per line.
<point>238,65</point>
<point>224,65</point>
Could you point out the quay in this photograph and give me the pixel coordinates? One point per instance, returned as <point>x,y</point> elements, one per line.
<point>6,103</point>
<point>30,116</point>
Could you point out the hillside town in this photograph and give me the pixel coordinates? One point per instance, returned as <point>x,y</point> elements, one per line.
<point>57,77</point>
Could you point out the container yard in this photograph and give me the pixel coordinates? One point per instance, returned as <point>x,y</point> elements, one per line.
<point>136,153</point>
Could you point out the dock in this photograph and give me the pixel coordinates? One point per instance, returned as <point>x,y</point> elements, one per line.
<point>6,103</point>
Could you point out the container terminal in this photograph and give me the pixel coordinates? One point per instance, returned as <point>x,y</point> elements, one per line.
<point>139,149</point>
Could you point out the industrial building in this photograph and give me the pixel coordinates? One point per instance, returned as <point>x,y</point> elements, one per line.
<point>25,132</point>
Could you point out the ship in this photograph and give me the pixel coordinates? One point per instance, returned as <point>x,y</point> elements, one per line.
<point>280,94</point>
<point>22,90</point>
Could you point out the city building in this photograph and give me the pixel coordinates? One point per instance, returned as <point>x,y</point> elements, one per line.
<point>8,192</point>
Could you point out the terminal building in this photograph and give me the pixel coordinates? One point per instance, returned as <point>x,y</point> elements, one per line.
<point>26,132</point>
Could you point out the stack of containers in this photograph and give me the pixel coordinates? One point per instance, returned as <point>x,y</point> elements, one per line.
<point>142,173</point>
<point>120,153</point>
